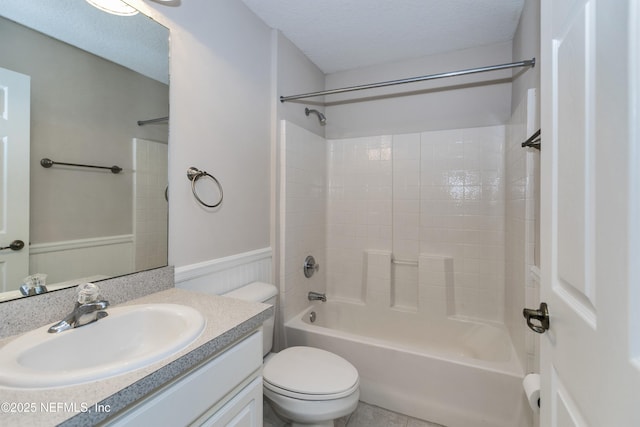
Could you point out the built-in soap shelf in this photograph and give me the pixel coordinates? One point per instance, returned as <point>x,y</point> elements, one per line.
<point>422,285</point>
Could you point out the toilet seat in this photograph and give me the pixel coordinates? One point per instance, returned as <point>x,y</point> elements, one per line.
<point>307,396</point>
<point>309,373</point>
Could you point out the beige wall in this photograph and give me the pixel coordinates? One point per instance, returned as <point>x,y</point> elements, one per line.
<point>83,110</point>
<point>453,103</point>
<point>297,74</point>
<point>220,122</point>
<point>526,45</point>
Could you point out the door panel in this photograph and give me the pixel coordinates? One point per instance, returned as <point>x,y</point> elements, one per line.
<point>588,194</point>
<point>573,79</point>
<point>14,176</point>
<point>564,409</point>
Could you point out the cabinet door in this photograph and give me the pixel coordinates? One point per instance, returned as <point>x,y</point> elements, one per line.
<point>244,410</point>
<point>186,400</point>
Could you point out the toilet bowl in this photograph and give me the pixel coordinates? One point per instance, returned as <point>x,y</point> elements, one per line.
<point>304,385</point>
<point>309,386</point>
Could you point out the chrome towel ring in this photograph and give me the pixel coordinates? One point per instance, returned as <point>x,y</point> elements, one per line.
<point>195,174</point>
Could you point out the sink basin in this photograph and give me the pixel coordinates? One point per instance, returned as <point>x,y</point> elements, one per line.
<point>129,338</point>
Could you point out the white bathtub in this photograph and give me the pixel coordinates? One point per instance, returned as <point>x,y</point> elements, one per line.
<point>448,371</point>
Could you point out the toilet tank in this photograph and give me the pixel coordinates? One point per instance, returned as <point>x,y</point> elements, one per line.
<point>259,292</point>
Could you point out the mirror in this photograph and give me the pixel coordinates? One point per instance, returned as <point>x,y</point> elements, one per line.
<point>90,78</point>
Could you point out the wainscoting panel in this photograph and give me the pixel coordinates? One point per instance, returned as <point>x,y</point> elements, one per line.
<point>103,256</point>
<point>222,275</point>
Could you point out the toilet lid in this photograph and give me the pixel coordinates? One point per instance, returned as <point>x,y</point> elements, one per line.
<point>308,370</point>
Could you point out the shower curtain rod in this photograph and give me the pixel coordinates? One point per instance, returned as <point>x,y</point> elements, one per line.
<point>525,63</point>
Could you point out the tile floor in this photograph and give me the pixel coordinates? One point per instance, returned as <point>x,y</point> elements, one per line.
<point>365,415</point>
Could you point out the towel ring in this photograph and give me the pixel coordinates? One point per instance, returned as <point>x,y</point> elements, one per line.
<point>195,174</point>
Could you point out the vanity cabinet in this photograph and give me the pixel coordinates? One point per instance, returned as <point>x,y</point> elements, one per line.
<point>224,391</point>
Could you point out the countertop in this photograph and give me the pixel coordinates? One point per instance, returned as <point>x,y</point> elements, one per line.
<point>228,320</point>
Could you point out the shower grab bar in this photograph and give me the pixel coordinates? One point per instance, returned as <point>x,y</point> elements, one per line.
<point>47,163</point>
<point>525,63</point>
<point>404,262</point>
<point>158,120</point>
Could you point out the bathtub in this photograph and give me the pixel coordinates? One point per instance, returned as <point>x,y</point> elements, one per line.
<point>452,372</point>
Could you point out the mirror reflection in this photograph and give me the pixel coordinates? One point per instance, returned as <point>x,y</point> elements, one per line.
<point>61,102</point>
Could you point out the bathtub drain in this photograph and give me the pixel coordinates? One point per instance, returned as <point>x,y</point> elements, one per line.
<point>312,316</point>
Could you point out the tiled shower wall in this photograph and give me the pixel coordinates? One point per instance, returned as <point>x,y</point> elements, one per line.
<point>425,194</point>
<point>151,207</point>
<point>522,288</point>
<point>302,215</point>
<point>359,210</point>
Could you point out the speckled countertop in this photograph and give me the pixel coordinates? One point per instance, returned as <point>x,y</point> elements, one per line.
<point>228,320</point>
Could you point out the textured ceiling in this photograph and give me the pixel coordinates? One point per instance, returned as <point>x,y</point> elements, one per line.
<point>135,42</point>
<point>340,35</point>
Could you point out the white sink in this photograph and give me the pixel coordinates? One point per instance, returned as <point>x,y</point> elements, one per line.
<point>129,338</point>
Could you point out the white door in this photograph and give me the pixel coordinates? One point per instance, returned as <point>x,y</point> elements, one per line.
<point>590,165</point>
<point>14,177</point>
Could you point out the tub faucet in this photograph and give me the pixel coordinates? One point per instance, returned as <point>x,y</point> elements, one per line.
<point>87,309</point>
<point>316,296</point>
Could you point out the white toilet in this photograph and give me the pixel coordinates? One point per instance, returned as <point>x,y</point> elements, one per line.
<point>304,385</point>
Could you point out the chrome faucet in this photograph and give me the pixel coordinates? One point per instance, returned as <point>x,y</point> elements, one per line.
<point>88,309</point>
<point>317,296</point>
<point>34,284</point>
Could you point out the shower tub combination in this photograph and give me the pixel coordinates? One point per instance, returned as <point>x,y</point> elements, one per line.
<point>452,372</point>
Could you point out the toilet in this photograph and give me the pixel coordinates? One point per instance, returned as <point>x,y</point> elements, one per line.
<point>306,386</point>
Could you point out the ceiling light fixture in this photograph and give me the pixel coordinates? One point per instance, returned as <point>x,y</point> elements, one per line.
<point>115,7</point>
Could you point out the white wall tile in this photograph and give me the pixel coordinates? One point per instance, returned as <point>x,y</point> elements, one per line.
<point>150,207</point>
<point>519,234</point>
<point>304,232</point>
<point>438,193</point>
<point>435,192</point>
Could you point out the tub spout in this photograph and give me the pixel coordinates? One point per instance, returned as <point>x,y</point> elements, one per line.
<point>316,296</point>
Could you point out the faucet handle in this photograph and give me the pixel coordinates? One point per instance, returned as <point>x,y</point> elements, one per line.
<point>34,284</point>
<point>88,292</point>
<point>310,266</point>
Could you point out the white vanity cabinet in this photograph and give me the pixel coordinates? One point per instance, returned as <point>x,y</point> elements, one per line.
<point>225,391</point>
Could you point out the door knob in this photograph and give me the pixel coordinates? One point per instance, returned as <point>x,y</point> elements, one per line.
<point>16,245</point>
<point>541,315</point>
